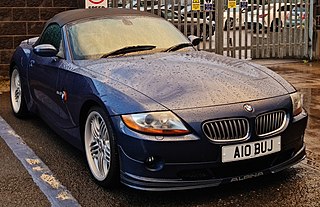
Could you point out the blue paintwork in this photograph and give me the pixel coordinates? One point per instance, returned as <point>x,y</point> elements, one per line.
<point>196,86</point>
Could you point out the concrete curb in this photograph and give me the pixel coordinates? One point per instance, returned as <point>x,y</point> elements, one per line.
<point>56,193</point>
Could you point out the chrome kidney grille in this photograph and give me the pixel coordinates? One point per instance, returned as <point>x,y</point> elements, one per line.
<point>234,129</point>
<point>270,123</point>
<point>237,129</point>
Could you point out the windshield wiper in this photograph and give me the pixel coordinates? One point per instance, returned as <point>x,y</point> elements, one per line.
<point>129,49</point>
<point>178,47</point>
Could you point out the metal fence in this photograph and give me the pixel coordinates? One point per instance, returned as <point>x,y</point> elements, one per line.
<point>267,29</point>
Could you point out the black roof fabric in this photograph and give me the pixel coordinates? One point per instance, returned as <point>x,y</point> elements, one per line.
<point>77,14</point>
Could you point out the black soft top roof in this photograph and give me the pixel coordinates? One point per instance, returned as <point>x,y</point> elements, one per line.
<point>78,14</point>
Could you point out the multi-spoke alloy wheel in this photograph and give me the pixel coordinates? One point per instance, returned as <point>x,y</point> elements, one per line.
<point>16,94</point>
<point>99,147</point>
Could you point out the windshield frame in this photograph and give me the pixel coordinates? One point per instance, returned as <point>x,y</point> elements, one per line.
<point>68,35</point>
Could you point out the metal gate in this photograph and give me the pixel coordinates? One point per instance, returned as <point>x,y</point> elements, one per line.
<point>265,29</point>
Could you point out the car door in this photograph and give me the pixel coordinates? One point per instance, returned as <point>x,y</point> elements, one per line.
<point>43,75</point>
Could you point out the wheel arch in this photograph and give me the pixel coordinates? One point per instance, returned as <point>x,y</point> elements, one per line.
<point>277,20</point>
<point>86,106</point>
<point>225,26</point>
<point>83,114</point>
<point>11,66</point>
<point>20,58</point>
<point>23,71</point>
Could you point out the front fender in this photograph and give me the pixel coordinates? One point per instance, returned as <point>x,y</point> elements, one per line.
<point>20,59</point>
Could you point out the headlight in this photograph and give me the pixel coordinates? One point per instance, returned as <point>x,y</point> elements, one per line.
<point>297,103</point>
<point>157,123</point>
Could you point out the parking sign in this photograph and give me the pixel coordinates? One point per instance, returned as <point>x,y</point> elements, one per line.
<point>195,5</point>
<point>232,4</point>
<point>208,5</point>
<point>244,4</point>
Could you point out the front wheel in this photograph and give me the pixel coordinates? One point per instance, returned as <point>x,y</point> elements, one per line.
<point>18,104</point>
<point>100,148</point>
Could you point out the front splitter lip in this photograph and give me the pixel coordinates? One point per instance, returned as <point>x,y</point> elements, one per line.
<point>156,184</point>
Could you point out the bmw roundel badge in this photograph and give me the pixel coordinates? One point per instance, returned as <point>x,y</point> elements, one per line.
<point>248,107</point>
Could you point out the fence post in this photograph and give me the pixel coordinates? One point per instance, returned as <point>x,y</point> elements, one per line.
<point>114,3</point>
<point>311,26</point>
<point>219,9</point>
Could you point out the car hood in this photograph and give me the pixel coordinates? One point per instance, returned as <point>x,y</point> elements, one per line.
<point>180,80</point>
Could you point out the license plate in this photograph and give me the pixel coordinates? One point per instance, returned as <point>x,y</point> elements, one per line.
<point>251,150</point>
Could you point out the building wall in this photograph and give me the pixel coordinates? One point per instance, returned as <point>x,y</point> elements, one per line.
<point>22,19</point>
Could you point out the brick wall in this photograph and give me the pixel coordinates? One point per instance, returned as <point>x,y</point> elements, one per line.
<point>22,19</point>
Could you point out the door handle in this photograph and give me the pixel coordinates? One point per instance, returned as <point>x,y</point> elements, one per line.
<point>31,63</point>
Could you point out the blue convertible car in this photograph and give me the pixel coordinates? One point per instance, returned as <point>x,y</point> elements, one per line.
<point>149,110</point>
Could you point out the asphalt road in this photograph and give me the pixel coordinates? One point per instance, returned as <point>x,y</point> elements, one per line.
<point>17,187</point>
<point>297,186</point>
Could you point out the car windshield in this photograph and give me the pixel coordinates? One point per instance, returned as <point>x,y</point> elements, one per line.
<point>92,39</point>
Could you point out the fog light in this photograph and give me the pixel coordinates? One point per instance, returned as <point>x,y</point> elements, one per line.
<point>154,163</point>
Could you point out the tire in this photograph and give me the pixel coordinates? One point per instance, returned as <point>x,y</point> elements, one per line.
<point>18,103</point>
<point>100,148</point>
<point>254,27</point>
<point>248,25</point>
<point>226,24</point>
<point>201,32</point>
<point>277,26</point>
<point>254,30</point>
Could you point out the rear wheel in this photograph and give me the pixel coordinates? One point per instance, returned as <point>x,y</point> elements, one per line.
<point>18,104</point>
<point>100,148</point>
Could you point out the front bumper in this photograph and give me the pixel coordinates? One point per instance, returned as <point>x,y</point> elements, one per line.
<point>196,163</point>
<point>158,184</point>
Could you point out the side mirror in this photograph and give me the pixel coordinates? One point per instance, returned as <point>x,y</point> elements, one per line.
<point>45,50</point>
<point>194,40</point>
